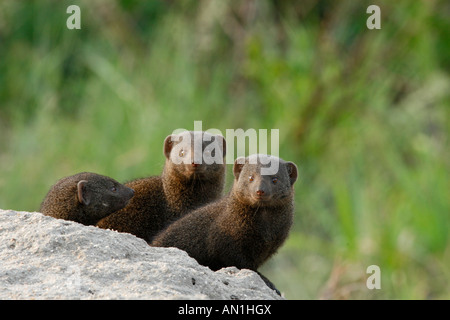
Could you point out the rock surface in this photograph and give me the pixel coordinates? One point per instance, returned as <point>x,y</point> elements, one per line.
<point>46,258</point>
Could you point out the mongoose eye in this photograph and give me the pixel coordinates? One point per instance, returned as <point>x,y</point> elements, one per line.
<point>250,178</point>
<point>181,153</point>
<point>113,189</point>
<point>274,180</point>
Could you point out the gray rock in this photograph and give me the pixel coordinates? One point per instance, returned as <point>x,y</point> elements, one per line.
<point>46,258</point>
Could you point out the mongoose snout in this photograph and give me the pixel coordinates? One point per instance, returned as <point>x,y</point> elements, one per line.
<point>128,195</point>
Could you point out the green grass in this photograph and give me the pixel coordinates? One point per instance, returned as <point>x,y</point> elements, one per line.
<point>364,114</point>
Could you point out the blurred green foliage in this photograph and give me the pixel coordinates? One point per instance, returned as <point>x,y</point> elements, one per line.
<point>363,113</point>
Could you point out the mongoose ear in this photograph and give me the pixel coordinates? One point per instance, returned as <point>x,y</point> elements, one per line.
<point>292,172</point>
<point>224,144</point>
<point>168,145</point>
<point>237,167</point>
<point>81,187</point>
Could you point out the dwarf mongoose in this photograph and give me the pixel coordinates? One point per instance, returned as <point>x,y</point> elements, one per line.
<point>193,176</point>
<point>85,198</point>
<point>244,228</point>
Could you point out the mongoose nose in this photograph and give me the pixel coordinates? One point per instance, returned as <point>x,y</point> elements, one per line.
<point>260,192</point>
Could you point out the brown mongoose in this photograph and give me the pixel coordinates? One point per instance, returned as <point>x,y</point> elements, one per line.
<point>244,228</point>
<point>85,198</point>
<point>180,188</point>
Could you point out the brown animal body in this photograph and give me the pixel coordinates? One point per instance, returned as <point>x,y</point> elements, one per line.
<point>85,198</point>
<point>244,228</point>
<point>184,185</point>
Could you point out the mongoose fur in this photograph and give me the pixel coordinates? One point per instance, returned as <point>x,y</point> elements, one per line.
<point>180,188</point>
<point>85,198</point>
<point>244,228</point>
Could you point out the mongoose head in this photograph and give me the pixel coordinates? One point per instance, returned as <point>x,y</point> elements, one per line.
<point>100,196</point>
<point>255,185</point>
<point>85,198</point>
<point>195,154</point>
